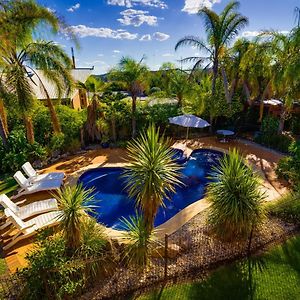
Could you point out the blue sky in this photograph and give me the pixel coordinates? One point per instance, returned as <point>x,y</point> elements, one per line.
<point>109,29</point>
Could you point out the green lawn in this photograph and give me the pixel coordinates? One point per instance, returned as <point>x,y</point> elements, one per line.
<point>274,275</point>
<point>8,185</point>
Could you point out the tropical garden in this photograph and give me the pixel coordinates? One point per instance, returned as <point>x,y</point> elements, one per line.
<point>226,85</point>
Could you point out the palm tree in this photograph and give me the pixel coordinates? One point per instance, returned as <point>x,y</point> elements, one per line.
<point>221,30</point>
<point>74,203</point>
<point>94,88</point>
<point>286,70</point>
<point>132,75</point>
<point>236,200</point>
<point>20,54</point>
<point>152,174</point>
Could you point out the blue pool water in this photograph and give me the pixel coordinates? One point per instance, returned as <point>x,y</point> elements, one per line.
<point>113,202</point>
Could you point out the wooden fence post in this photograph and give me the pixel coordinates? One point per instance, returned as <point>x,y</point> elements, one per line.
<point>166,257</point>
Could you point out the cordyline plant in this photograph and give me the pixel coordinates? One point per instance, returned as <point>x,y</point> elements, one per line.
<point>152,174</point>
<point>235,197</point>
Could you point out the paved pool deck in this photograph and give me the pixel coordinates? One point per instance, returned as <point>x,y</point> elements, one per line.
<point>263,160</point>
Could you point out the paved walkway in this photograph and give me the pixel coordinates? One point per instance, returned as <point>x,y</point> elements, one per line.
<point>264,161</point>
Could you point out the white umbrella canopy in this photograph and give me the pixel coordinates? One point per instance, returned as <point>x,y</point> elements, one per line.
<point>189,121</point>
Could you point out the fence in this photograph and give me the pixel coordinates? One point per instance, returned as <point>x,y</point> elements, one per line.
<point>189,251</point>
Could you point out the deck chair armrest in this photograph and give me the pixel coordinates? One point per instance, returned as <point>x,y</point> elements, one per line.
<point>21,231</point>
<point>21,201</point>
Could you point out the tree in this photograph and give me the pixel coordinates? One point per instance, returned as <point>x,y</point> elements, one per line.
<point>221,30</point>
<point>152,174</point>
<point>236,200</point>
<point>132,76</point>
<point>286,70</point>
<point>94,88</point>
<point>20,56</point>
<point>74,203</point>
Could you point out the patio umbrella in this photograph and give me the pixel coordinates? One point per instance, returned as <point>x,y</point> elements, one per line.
<point>189,121</point>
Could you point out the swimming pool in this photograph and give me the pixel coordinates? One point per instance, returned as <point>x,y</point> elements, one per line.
<point>113,202</point>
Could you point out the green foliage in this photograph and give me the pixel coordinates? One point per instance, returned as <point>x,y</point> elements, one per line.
<point>270,138</point>
<point>74,202</point>
<point>139,243</point>
<point>235,197</point>
<point>8,185</point>
<point>152,174</point>
<point>19,151</point>
<point>159,114</point>
<point>53,275</point>
<point>289,166</point>
<point>287,207</point>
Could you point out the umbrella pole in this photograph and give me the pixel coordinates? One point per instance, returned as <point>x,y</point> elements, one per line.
<point>187,133</point>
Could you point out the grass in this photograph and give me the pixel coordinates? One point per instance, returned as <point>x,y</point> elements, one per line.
<point>8,185</point>
<point>3,266</point>
<point>274,275</point>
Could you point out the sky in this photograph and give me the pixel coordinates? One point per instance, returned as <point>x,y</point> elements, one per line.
<point>109,29</point>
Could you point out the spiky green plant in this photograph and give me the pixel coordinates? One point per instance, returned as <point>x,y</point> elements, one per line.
<point>235,197</point>
<point>74,203</point>
<point>139,243</point>
<point>152,174</point>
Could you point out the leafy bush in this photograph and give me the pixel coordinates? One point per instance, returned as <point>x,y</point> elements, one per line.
<point>51,274</point>
<point>19,151</point>
<point>235,198</point>
<point>289,167</point>
<point>270,138</point>
<point>287,207</point>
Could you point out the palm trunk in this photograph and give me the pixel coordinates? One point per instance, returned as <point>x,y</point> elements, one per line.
<point>226,87</point>
<point>281,121</point>
<point>215,75</point>
<point>3,117</point>
<point>3,133</point>
<point>262,105</point>
<point>133,120</point>
<point>113,129</point>
<point>55,122</point>
<point>29,129</point>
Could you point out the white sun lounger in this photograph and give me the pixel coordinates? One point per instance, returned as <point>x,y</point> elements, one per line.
<point>29,228</point>
<point>30,210</point>
<point>28,187</point>
<point>34,176</point>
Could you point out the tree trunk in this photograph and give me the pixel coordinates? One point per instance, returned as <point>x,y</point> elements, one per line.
<point>262,105</point>
<point>55,122</point>
<point>215,75</point>
<point>91,123</point>
<point>226,87</point>
<point>113,128</point>
<point>3,117</point>
<point>3,133</point>
<point>29,129</point>
<point>281,121</point>
<point>247,93</point>
<point>133,120</point>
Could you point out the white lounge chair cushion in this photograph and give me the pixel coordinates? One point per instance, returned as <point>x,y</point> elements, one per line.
<point>38,207</point>
<point>36,223</point>
<point>34,176</point>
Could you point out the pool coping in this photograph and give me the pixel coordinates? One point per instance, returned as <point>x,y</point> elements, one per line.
<point>178,220</point>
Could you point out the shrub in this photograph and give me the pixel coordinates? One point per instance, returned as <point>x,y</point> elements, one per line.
<point>287,207</point>
<point>289,167</point>
<point>235,198</point>
<point>19,151</point>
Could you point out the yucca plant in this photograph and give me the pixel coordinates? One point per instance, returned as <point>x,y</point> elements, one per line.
<point>74,203</point>
<point>139,243</point>
<point>152,174</point>
<point>236,200</point>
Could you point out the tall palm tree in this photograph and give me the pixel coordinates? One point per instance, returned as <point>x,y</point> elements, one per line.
<point>94,88</point>
<point>152,174</point>
<point>286,70</point>
<point>236,200</point>
<point>74,202</point>
<point>20,56</point>
<point>132,75</point>
<point>221,29</point>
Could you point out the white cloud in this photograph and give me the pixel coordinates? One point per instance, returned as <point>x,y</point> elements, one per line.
<point>159,36</point>
<point>51,10</point>
<point>116,51</point>
<point>146,38</point>
<point>137,18</point>
<point>100,55</point>
<point>130,3</point>
<point>168,55</point>
<point>74,7</point>
<point>251,34</point>
<point>193,6</point>
<point>102,32</point>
